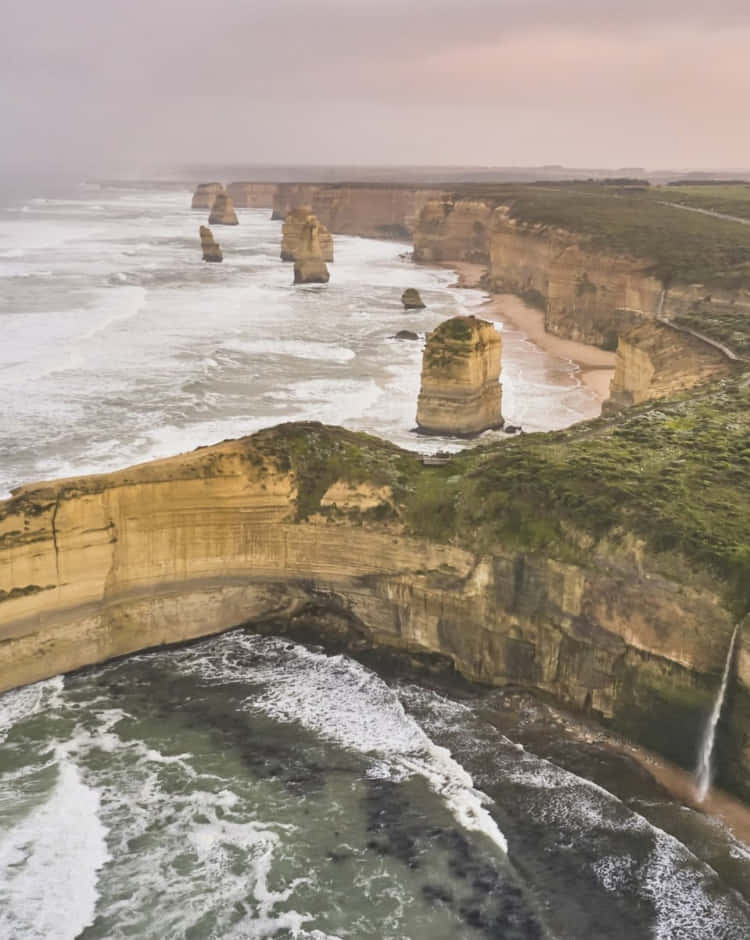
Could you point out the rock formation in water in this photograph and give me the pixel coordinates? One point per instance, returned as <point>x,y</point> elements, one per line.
<point>293,235</point>
<point>411,299</point>
<point>461,393</point>
<point>309,266</point>
<point>211,248</point>
<point>406,334</point>
<point>205,194</point>
<point>222,212</point>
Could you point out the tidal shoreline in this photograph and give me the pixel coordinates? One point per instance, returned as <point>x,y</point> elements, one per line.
<point>597,366</point>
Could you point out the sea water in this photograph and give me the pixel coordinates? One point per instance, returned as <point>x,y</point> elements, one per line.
<point>120,345</point>
<point>252,787</point>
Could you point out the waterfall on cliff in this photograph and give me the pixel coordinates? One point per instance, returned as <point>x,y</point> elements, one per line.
<point>704,770</point>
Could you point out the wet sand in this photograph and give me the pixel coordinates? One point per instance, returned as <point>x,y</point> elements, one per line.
<point>597,365</point>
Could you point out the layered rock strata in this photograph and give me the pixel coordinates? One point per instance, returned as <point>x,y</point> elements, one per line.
<point>293,233</point>
<point>460,392</point>
<point>252,195</point>
<point>246,532</point>
<point>370,211</point>
<point>205,194</point>
<point>222,211</point>
<point>656,360</point>
<point>309,266</point>
<point>211,248</point>
<point>411,299</point>
<point>449,230</point>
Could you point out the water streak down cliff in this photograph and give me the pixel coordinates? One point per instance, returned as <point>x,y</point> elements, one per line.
<point>252,531</point>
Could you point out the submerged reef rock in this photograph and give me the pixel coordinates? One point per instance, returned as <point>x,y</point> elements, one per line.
<point>223,212</point>
<point>309,266</point>
<point>411,299</point>
<point>292,233</point>
<point>211,248</point>
<point>406,334</point>
<point>460,393</point>
<point>205,194</point>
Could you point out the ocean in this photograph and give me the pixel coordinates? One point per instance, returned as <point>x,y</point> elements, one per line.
<point>262,787</point>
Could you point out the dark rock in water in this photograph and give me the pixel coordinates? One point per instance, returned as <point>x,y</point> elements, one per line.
<point>513,429</point>
<point>222,211</point>
<point>411,299</point>
<point>211,248</point>
<point>406,334</point>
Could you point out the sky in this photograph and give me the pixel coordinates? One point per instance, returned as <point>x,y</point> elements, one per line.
<point>113,86</point>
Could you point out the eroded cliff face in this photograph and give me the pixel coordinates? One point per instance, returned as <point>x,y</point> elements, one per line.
<point>448,230</point>
<point>460,392</point>
<point>205,194</point>
<point>252,195</point>
<point>96,567</point>
<point>656,360</point>
<point>366,211</point>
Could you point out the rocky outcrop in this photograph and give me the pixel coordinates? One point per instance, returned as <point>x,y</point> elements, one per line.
<point>205,194</point>
<point>245,532</point>
<point>453,230</point>
<point>656,360</point>
<point>369,211</point>
<point>407,334</point>
<point>211,249</point>
<point>222,212</point>
<point>309,266</point>
<point>460,392</point>
<point>252,195</point>
<point>411,299</point>
<point>293,234</point>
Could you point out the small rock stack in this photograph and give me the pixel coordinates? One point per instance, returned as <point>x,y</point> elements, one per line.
<point>292,230</point>
<point>205,194</point>
<point>411,299</point>
<point>309,266</point>
<point>222,211</point>
<point>211,248</point>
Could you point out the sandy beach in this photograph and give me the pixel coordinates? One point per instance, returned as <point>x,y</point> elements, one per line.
<point>597,365</point>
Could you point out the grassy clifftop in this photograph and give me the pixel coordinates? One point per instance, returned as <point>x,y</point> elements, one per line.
<point>676,476</point>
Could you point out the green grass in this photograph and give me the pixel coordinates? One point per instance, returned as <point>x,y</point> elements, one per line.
<point>731,199</point>
<point>676,475</point>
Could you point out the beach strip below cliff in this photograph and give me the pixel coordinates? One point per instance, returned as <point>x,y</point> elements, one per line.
<point>597,366</point>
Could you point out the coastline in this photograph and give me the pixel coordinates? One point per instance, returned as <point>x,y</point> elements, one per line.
<point>596,366</point>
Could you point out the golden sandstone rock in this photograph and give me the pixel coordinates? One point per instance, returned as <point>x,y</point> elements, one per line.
<point>222,212</point>
<point>460,393</point>
<point>205,194</point>
<point>309,266</point>
<point>211,248</point>
<point>292,232</point>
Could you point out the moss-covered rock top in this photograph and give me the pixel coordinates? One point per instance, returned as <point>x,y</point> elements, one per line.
<point>676,476</point>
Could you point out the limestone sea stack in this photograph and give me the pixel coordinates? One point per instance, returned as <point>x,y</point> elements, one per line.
<point>411,299</point>
<point>222,211</point>
<point>211,248</point>
<point>292,230</point>
<point>205,194</point>
<point>309,266</point>
<point>461,393</point>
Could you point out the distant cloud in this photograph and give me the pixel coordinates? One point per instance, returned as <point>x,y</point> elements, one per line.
<point>96,84</point>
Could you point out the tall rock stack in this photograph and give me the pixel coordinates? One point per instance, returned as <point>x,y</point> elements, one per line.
<point>211,248</point>
<point>222,211</point>
<point>309,266</point>
<point>205,194</point>
<point>292,229</point>
<point>461,393</point>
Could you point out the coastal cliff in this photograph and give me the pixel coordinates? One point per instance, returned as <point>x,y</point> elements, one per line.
<point>546,562</point>
<point>460,392</point>
<point>205,194</point>
<point>252,195</point>
<point>450,230</point>
<point>367,211</point>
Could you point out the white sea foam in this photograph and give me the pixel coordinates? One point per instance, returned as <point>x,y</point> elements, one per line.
<point>26,701</point>
<point>297,349</point>
<point>51,860</point>
<point>344,702</point>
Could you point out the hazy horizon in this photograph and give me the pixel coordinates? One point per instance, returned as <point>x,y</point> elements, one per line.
<point>139,87</point>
